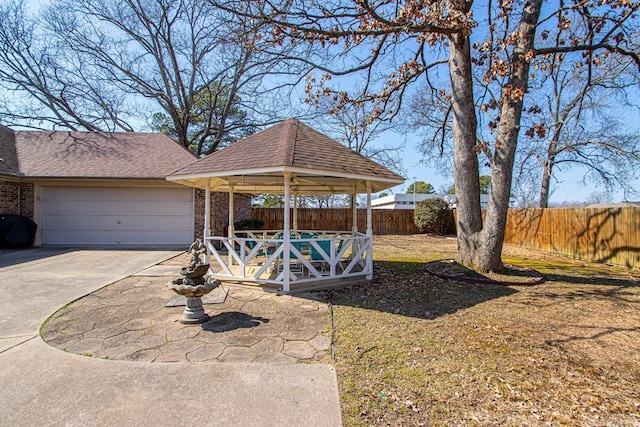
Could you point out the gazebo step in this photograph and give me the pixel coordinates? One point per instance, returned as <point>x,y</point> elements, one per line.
<point>298,287</point>
<point>324,284</point>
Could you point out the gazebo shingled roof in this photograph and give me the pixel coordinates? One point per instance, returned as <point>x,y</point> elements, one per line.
<point>257,163</point>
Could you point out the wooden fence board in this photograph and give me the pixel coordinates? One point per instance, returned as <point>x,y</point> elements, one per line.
<point>634,232</point>
<point>385,221</point>
<point>607,235</point>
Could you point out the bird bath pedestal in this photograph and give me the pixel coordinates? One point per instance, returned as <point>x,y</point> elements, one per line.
<point>193,286</point>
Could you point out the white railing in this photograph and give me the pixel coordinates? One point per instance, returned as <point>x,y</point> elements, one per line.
<point>314,256</point>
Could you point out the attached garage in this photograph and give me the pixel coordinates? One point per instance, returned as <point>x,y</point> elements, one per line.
<point>116,216</point>
<point>95,188</point>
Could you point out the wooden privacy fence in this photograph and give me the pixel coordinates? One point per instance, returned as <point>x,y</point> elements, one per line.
<point>606,235</point>
<point>385,221</point>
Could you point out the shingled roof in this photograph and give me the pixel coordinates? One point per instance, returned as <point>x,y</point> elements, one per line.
<point>8,156</point>
<point>126,155</point>
<point>289,146</point>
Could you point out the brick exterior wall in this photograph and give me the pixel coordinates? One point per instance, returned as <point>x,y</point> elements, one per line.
<point>219,211</point>
<point>198,213</point>
<point>16,197</point>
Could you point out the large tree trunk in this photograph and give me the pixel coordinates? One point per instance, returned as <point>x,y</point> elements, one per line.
<point>480,247</point>
<point>506,141</point>
<point>465,159</point>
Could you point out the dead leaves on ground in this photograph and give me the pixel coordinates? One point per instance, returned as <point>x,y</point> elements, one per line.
<point>417,350</point>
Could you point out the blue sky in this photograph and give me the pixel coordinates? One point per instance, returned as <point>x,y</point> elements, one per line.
<point>569,189</point>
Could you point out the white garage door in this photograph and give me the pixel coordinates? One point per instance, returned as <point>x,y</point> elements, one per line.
<point>117,215</point>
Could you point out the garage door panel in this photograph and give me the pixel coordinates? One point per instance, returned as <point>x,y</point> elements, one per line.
<point>87,207</point>
<point>52,221</point>
<point>56,193</point>
<point>148,222</point>
<point>55,208</point>
<point>172,207</point>
<point>64,222</point>
<point>117,215</point>
<point>167,194</point>
<point>182,223</point>
<point>182,196</point>
<point>105,194</point>
<point>152,208</point>
<point>52,235</point>
<point>140,238</point>
<point>149,237</point>
<point>79,237</point>
<point>104,237</point>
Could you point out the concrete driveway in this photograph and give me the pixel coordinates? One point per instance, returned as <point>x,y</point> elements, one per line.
<point>45,386</point>
<point>35,282</point>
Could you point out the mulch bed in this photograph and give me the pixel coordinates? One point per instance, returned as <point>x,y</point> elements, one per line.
<point>512,275</point>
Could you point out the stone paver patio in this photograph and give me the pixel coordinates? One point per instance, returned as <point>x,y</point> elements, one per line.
<point>127,320</point>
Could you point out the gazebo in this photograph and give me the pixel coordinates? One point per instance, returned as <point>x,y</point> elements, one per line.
<point>289,159</point>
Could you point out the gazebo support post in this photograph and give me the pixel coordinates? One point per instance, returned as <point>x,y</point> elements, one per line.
<point>286,260</point>
<point>369,233</point>
<point>354,220</point>
<point>231,228</point>
<point>295,212</point>
<point>207,218</point>
<point>354,207</point>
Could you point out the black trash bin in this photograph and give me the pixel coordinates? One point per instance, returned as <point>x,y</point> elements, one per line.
<point>16,231</point>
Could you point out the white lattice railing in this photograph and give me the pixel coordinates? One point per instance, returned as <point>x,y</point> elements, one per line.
<point>313,256</point>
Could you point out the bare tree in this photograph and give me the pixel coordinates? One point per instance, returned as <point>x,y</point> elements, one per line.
<point>43,84</point>
<point>395,44</point>
<point>328,201</point>
<point>599,197</point>
<point>429,117</point>
<point>572,118</point>
<point>525,191</point>
<point>87,64</point>
<point>575,119</point>
<point>346,126</point>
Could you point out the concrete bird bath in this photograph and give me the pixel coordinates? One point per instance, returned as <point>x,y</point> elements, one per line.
<point>193,285</point>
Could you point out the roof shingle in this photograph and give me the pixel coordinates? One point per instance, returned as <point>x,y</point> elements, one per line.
<point>8,156</point>
<point>48,154</point>
<point>290,143</point>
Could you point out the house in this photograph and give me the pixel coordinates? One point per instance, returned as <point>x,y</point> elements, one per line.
<point>409,200</point>
<point>93,188</point>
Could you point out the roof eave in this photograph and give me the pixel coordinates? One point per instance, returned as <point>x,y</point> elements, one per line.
<point>351,183</point>
<point>119,178</point>
<point>9,175</point>
<point>283,169</point>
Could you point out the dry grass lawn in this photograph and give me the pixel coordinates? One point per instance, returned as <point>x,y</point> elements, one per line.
<point>415,350</point>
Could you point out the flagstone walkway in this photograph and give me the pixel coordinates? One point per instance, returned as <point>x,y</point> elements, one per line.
<point>128,320</point>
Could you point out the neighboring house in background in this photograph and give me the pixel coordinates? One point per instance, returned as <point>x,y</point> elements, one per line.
<point>92,188</point>
<point>405,201</point>
<point>409,200</point>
